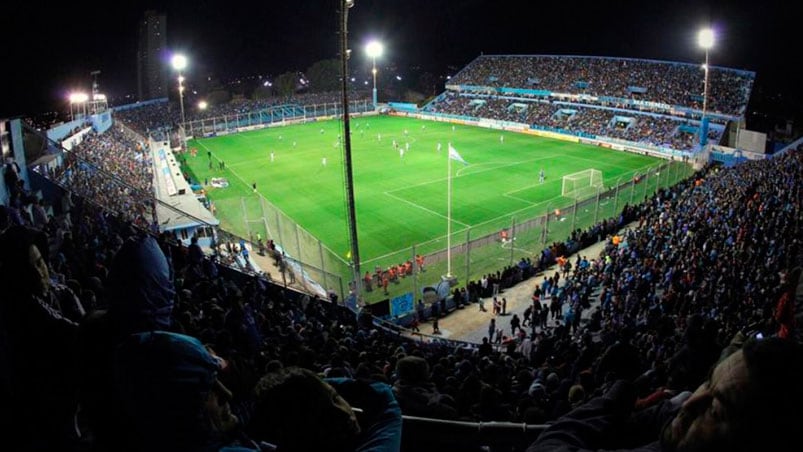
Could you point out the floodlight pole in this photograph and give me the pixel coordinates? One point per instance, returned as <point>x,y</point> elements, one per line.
<point>179,62</point>
<point>705,86</point>
<point>705,38</point>
<point>374,72</point>
<point>374,49</point>
<point>347,166</point>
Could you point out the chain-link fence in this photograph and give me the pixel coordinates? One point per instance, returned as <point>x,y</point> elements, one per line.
<point>475,251</point>
<point>298,261</point>
<point>491,246</point>
<point>290,255</point>
<point>271,115</point>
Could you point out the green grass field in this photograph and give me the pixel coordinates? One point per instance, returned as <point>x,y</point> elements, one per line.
<point>400,201</point>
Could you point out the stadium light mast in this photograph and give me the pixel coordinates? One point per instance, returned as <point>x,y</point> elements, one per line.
<point>179,63</point>
<point>705,38</point>
<point>374,50</point>
<point>79,99</point>
<point>347,163</point>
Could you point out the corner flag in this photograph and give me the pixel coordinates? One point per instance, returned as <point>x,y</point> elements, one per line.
<point>455,156</point>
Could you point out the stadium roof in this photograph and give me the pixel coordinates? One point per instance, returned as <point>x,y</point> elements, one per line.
<point>182,209</point>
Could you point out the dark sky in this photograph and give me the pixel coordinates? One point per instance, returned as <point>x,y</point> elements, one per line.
<point>49,51</point>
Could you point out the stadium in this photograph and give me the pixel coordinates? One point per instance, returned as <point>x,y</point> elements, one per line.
<point>552,252</point>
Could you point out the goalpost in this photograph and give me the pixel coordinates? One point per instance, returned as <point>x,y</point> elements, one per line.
<point>582,184</point>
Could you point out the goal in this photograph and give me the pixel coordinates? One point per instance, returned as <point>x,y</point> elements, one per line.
<point>582,184</point>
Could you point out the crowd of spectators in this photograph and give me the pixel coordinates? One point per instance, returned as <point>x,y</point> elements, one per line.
<point>105,317</point>
<point>674,84</point>
<point>115,170</point>
<point>160,116</point>
<point>579,120</point>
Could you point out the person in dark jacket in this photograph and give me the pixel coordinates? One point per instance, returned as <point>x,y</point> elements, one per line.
<point>751,401</point>
<point>417,394</point>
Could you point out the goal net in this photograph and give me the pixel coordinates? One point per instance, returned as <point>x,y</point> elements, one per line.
<point>583,184</point>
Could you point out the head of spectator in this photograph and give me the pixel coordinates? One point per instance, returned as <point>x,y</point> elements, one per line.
<point>751,401</point>
<point>23,262</point>
<point>140,289</point>
<point>167,390</point>
<point>298,411</point>
<point>412,370</point>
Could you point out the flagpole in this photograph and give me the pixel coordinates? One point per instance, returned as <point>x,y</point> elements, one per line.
<point>449,215</point>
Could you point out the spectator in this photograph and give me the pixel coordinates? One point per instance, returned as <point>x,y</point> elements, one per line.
<point>417,394</point>
<point>298,411</point>
<point>38,329</point>
<point>168,395</point>
<point>749,403</point>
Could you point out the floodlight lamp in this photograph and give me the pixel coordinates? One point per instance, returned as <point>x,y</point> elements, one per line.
<point>179,62</point>
<point>98,97</point>
<point>374,49</point>
<point>706,38</point>
<point>77,98</point>
<point>202,105</point>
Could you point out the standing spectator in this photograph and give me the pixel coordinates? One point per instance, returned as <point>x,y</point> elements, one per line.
<point>785,310</point>
<point>515,324</point>
<point>421,309</point>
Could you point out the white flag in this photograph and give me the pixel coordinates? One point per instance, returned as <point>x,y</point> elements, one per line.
<point>454,155</point>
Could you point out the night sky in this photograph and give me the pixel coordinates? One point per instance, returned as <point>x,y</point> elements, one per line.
<point>50,51</point>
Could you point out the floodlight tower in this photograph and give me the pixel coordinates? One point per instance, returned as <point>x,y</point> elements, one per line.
<point>705,38</point>
<point>80,100</point>
<point>179,63</point>
<point>374,49</point>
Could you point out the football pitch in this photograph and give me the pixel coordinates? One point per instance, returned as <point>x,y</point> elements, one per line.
<point>401,198</point>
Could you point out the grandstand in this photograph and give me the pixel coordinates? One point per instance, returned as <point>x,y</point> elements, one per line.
<point>599,98</point>
<point>686,261</point>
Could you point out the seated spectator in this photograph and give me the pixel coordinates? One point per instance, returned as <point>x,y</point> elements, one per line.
<point>298,411</point>
<point>750,402</point>
<point>416,393</point>
<point>167,395</point>
<point>37,345</point>
<point>139,293</point>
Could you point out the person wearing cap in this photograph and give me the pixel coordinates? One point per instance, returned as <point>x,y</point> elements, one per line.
<point>751,401</point>
<point>296,411</point>
<point>167,396</point>
<point>140,295</point>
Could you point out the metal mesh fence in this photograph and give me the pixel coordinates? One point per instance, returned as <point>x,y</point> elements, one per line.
<point>302,261</point>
